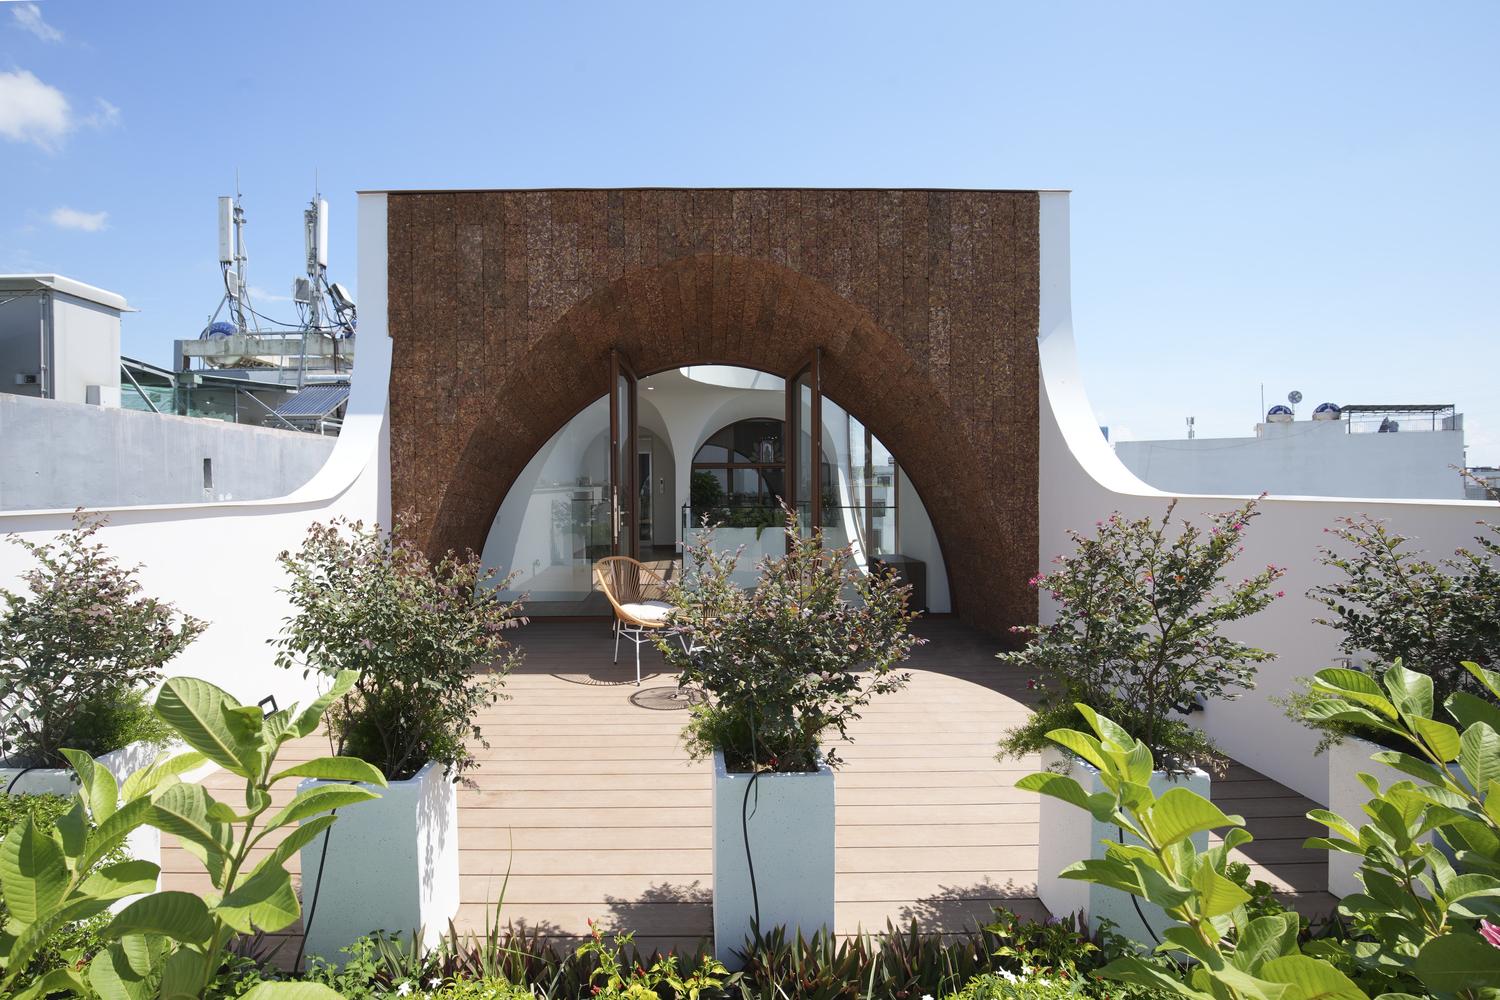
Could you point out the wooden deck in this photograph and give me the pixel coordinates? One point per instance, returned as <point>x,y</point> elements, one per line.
<point>587,799</point>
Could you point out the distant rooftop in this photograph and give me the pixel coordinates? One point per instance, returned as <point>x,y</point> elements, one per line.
<point>28,283</point>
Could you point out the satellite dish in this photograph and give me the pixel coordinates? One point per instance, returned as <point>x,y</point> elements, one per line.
<point>1294,397</point>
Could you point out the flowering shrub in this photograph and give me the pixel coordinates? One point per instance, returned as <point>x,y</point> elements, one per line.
<point>1389,603</point>
<point>1138,632</point>
<point>78,648</point>
<point>418,633</point>
<point>792,660</point>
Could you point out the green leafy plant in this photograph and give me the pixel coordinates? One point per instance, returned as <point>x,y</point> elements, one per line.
<point>70,945</point>
<point>77,647</point>
<point>417,633</point>
<point>62,870</point>
<point>1389,603</point>
<point>705,491</point>
<point>1139,632</point>
<point>617,978</point>
<point>1429,847</point>
<point>172,944</point>
<point>790,661</point>
<point>1229,952</point>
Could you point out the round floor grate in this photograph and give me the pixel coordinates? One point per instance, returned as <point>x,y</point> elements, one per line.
<point>666,699</point>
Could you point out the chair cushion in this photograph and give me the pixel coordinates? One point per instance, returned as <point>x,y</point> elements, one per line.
<point>655,612</point>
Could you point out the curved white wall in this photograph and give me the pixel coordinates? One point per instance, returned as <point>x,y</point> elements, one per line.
<point>218,560</point>
<point>1081,481</point>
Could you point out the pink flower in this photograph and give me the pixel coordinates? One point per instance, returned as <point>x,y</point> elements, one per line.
<point>1280,593</point>
<point>1490,933</point>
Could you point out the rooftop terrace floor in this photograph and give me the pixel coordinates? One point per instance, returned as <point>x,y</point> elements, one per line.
<point>588,800</point>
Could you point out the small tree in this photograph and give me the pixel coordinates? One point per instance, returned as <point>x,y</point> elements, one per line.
<point>78,648</point>
<point>1389,603</point>
<point>428,641</point>
<point>792,660</point>
<point>1138,634</point>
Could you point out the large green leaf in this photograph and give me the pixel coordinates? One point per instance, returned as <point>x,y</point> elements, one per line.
<point>334,769</point>
<point>319,799</point>
<point>1311,978</point>
<point>100,790</point>
<point>1411,691</point>
<point>1059,786</point>
<point>1458,961</point>
<point>112,832</point>
<point>181,916</point>
<point>53,982</point>
<point>295,841</point>
<point>33,872</point>
<point>127,878</point>
<point>264,902</point>
<point>1469,709</point>
<point>1180,813</point>
<point>183,974</point>
<point>1081,744</point>
<point>1489,678</point>
<point>1265,938</point>
<point>148,779</point>
<point>1439,736</point>
<point>1133,970</point>
<point>195,709</point>
<point>1479,754</point>
<point>123,970</point>
<point>1217,895</point>
<point>1356,686</point>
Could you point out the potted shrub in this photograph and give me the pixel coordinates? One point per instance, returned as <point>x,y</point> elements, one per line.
<point>1141,605</point>
<point>80,650</point>
<point>1393,606</point>
<point>785,666</point>
<point>427,640</point>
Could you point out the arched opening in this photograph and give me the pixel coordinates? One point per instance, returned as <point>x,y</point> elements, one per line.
<point>555,520</point>
<point>972,464</point>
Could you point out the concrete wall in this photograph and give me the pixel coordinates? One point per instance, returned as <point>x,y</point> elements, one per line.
<point>23,322</point>
<point>218,560</point>
<point>1082,481</point>
<point>1306,458</point>
<point>62,454</point>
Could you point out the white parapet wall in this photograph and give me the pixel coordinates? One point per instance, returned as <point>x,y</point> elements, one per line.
<point>1082,482</point>
<point>218,560</point>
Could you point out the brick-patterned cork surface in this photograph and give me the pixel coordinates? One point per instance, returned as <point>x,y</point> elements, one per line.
<point>504,305</point>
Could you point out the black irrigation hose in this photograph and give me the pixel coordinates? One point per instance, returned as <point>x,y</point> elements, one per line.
<point>312,907</point>
<point>1133,900</point>
<point>19,775</point>
<point>750,862</point>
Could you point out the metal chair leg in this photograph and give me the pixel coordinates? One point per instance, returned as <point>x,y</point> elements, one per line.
<point>617,641</point>
<point>638,660</point>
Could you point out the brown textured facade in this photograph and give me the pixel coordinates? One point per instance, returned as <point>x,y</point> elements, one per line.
<point>504,306</point>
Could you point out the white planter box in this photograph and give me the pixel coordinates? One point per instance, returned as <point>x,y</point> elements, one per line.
<point>392,865</point>
<point>144,842</point>
<point>791,844</point>
<point>1068,834</point>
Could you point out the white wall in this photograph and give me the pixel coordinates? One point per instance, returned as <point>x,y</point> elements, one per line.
<point>1082,481</point>
<point>85,350</point>
<point>1306,458</point>
<point>218,560</point>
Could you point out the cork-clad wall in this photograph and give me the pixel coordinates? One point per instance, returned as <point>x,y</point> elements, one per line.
<point>504,305</point>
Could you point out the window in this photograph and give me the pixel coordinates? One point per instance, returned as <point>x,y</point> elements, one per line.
<point>741,465</point>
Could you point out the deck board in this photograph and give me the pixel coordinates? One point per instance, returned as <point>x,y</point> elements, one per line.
<point>590,804</point>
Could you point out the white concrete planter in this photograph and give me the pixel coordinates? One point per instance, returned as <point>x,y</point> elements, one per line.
<point>144,842</point>
<point>791,844</point>
<point>392,865</point>
<point>1068,834</point>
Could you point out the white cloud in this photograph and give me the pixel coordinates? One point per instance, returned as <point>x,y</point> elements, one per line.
<point>33,111</point>
<point>258,294</point>
<point>29,17</point>
<point>71,218</point>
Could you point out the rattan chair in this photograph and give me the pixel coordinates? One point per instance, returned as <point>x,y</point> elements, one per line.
<point>636,595</point>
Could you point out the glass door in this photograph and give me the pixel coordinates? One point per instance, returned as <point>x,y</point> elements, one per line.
<point>804,444</point>
<point>624,497</point>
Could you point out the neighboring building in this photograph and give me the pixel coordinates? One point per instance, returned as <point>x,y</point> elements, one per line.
<point>1487,486</point>
<point>1402,451</point>
<point>60,339</point>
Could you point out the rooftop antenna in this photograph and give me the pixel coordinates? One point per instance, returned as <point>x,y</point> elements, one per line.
<point>315,238</point>
<point>1294,397</point>
<point>234,261</point>
<point>1191,432</point>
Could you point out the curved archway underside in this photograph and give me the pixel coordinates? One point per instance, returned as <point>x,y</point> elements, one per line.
<point>504,305</point>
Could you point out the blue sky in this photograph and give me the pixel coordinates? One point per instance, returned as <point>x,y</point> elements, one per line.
<point>1300,195</point>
